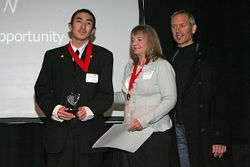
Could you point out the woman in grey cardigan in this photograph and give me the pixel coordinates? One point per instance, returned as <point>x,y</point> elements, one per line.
<point>149,93</point>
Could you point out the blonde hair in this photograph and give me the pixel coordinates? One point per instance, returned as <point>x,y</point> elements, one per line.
<point>154,50</point>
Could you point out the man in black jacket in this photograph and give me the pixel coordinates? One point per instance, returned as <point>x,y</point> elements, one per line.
<point>69,134</point>
<point>202,128</point>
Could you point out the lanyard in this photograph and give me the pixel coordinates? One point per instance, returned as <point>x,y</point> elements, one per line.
<point>84,65</point>
<point>133,78</point>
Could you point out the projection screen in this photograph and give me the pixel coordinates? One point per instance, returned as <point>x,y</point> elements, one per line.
<point>30,27</point>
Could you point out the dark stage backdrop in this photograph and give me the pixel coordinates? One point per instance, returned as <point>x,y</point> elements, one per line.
<point>226,25</point>
<point>21,145</point>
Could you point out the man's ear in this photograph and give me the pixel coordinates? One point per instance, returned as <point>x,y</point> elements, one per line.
<point>92,35</point>
<point>194,28</point>
<point>93,31</point>
<point>70,26</point>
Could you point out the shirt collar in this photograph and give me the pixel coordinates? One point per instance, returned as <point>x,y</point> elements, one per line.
<point>81,49</point>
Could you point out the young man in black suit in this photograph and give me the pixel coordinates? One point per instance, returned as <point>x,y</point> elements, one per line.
<point>68,135</point>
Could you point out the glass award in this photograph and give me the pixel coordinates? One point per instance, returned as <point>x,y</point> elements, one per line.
<point>71,102</point>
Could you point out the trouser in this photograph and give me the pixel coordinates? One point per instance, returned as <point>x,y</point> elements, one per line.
<point>72,156</point>
<point>182,145</point>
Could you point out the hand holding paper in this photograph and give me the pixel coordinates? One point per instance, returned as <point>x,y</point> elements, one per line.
<point>119,137</point>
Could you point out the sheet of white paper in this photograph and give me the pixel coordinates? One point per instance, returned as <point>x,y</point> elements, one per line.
<point>119,137</point>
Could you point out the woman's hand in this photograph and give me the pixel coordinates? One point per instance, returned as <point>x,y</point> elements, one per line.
<point>135,126</point>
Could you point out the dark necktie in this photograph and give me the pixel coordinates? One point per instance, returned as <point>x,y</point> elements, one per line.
<point>77,53</point>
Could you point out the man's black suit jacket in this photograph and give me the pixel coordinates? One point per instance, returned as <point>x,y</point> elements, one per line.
<point>58,78</point>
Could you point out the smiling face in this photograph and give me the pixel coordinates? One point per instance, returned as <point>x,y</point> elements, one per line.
<point>81,28</point>
<point>139,44</point>
<point>182,30</point>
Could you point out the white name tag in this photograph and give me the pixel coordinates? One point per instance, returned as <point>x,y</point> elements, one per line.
<point>92,78</point>
<point>148,74</point>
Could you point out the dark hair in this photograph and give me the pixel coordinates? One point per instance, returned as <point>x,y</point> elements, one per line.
<point>84,11</point>
<point>154,46</point>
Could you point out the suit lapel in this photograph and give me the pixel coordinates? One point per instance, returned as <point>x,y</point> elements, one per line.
<point>195,71</point>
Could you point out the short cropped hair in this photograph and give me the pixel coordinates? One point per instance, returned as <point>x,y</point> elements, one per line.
<point>184,12</point>
<point>84,11</point>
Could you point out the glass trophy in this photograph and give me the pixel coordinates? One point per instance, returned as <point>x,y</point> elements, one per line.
<point>71,102</point>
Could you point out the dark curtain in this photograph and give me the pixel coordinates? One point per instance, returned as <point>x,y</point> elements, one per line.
<point>21,145</point>
<point>225,25</point>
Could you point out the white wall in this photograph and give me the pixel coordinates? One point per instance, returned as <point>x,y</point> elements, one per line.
<point>21,50</point>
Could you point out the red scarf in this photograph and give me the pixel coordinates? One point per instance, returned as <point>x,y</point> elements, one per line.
<point>84,65</point>
<point>132,79</point>
<point>134,76</point>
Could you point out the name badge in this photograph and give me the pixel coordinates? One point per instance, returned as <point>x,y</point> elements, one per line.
<point>148,74</point>
<point>92,78</point>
